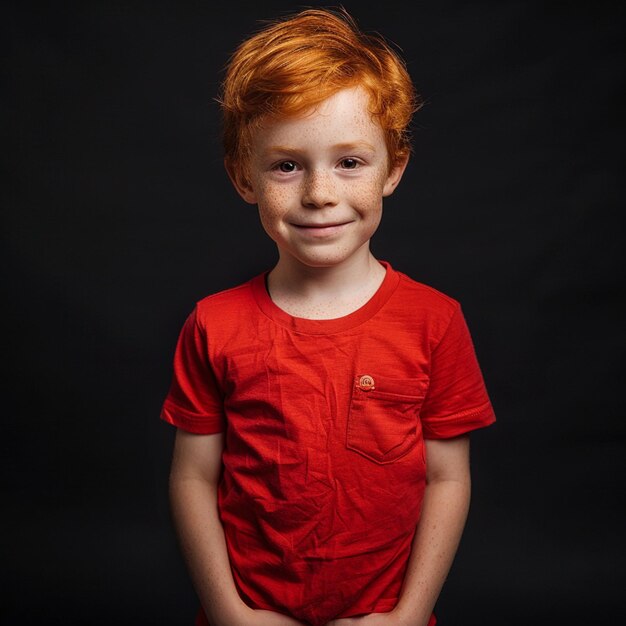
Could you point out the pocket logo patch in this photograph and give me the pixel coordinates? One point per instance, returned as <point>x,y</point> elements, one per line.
<point>365,382</point>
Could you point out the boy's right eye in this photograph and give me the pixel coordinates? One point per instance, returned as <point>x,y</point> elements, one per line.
<point>287,166</point>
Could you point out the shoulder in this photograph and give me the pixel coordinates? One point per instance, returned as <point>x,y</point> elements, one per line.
<point>225,299</point>
<point>425,298</point>
<point>225,308</point>
<point>421,309</point>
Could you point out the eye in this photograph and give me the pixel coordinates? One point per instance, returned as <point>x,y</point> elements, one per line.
<point>349,164</point>
<point>287,167</point>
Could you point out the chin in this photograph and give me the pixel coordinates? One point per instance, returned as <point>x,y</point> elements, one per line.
<point>324,261</point>
<point>326,256</point>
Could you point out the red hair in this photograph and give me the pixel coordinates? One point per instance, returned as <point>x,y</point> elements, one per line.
<point>295,63</point>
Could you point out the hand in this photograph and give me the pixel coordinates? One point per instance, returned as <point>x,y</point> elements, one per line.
<point>270,618</point>
<point>373,619</point>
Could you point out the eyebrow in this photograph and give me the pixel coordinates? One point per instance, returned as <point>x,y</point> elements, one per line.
<point>339,147</point>
<point>356,145</point>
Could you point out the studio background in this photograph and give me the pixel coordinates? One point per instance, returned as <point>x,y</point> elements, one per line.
<point>118,216</point>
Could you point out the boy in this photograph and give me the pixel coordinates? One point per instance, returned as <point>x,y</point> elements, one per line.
<point>308,399</point>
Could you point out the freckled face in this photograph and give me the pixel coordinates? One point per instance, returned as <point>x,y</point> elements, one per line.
<point>319,181</point>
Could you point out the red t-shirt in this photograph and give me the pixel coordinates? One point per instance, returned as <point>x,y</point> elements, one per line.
<point>324,420</point>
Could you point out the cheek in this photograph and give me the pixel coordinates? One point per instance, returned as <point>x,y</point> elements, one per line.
<point>273,203</point>
<point>367,195</point>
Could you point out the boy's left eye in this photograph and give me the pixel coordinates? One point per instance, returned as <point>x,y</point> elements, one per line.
<point>349,164</point>
<point>287,167</point>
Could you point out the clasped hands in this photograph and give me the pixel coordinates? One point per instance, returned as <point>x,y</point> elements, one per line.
<point>268,618</point>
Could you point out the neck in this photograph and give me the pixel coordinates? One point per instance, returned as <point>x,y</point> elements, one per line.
<point>325,292</point>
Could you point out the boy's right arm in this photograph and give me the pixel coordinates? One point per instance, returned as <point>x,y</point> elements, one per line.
<point>194,478</point>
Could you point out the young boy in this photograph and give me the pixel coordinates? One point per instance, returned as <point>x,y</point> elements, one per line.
<point>321,466</point>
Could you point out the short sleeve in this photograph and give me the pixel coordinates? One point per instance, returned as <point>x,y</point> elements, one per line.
<point>457,400</point>
<point>194,402</point>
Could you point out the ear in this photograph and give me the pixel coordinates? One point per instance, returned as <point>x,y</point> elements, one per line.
<point>240,182</point>
<point>394,177</point>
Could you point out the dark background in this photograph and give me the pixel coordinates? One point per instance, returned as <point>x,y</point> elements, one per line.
<point>117,217</point>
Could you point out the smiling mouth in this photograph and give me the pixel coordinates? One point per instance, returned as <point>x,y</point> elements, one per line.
<point>320,226</point>
<point>321,230</point>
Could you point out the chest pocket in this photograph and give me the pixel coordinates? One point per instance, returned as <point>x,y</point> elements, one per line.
<point>383,422</point>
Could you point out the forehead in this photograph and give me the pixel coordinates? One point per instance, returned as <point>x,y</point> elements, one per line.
<point>342,118</point>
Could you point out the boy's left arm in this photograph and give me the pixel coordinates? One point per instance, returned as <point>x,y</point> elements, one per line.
<point>444,511</point>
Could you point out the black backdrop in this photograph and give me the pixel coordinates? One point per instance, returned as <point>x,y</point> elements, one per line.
<point>117,217</point>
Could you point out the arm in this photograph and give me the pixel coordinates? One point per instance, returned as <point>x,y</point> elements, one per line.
<point>194,478</point>
<point>444,511</point>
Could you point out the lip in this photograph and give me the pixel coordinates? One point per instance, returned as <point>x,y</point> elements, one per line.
<point>321,230</point>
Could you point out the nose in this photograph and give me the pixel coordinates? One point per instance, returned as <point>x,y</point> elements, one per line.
<point>319,189</point>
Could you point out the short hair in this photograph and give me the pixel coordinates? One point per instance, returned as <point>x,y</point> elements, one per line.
<point>295,63</point>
